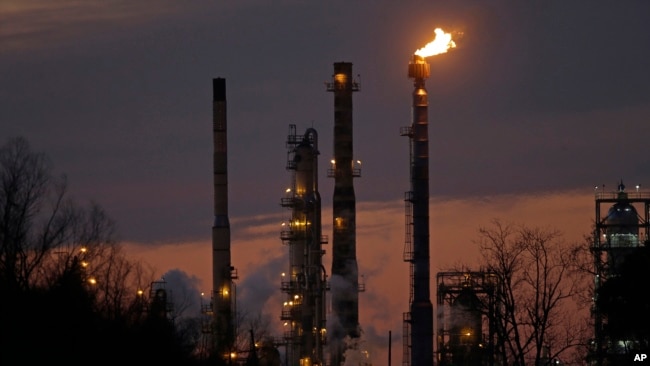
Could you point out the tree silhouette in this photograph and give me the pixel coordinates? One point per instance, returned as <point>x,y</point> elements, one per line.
<point>69,293</point>
<point>536,318</point>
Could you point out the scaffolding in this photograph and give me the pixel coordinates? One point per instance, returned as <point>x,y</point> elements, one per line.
<point>617,235</point>
<point>305,284</point>
<point>466,313</point>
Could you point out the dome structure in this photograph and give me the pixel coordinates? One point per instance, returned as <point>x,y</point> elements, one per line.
<point>622,218</point>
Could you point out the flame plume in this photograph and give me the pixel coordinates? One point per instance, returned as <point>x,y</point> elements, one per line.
<point>441,44</point>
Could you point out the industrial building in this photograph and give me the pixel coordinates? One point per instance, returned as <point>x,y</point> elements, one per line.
<point>466,302</point>
<point>619,234</point>
<point>465,312</point>
<point>305,282</point>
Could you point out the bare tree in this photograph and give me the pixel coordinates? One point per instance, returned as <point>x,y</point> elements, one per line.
<point>121,286</point>
<point>35,217</point>
<point>537,317</point>
<point>44,235</point>
<point>66,281</point>
<point>252,327</point>
<point>42,231</point>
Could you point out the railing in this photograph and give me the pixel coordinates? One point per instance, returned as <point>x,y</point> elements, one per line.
<point>352,86</point>
<point>408,233</point>
<point>288,201</point>
<point>287,286</point>
<point>634,195</point>
<point>356,172</point>
<point>286,315</point>
<point>287,235</point>
<point>406,339</point>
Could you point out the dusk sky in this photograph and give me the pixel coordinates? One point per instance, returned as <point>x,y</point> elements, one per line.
<point>539,103</point>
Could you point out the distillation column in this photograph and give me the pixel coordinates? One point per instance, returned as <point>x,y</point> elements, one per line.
<point>304,309</point>
<point>223,273</point>
<point>420,317</point>
<point>618,236</point>
<point>344,284</point>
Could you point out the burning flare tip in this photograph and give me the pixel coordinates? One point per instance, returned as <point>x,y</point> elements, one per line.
<point>441,44</point>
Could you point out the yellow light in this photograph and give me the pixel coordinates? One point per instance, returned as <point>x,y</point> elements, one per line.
<point>338,222</point>
<point>84,264</point>
<point>332,161</point>
<point>83,250</point>
<point>441,44</point>
<point>92,281</point>
<point>140,292</point>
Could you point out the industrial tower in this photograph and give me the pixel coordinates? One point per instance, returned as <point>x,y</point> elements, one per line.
<point>305,284</point>
<point>418,322</point>
<point>465,311</point>
<point>344,282</point>
<point>223,306</point>
<point>617,236</point>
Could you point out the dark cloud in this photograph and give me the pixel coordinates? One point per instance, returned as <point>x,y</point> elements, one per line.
<point>537,97</point>
<point>261,285</point>
<point>184,293</point>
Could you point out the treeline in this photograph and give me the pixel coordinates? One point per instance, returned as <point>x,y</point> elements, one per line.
<point>68,293</point>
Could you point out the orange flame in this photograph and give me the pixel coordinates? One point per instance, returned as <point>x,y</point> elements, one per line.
<point>441,44</point>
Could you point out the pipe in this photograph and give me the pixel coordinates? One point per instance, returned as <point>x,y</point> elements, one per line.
<point>390,345</point>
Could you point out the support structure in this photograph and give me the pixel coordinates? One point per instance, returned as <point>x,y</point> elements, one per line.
<point>466,311</point>
<point>618,234</point>
<point>305,284</point>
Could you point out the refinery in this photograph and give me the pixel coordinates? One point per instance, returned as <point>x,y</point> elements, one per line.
<point>320,311</point>
<point>435,183</point>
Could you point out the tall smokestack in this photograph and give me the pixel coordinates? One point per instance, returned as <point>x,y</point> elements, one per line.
<point>345,277</point>
<point>420,317</point>
<point>223,273</point>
